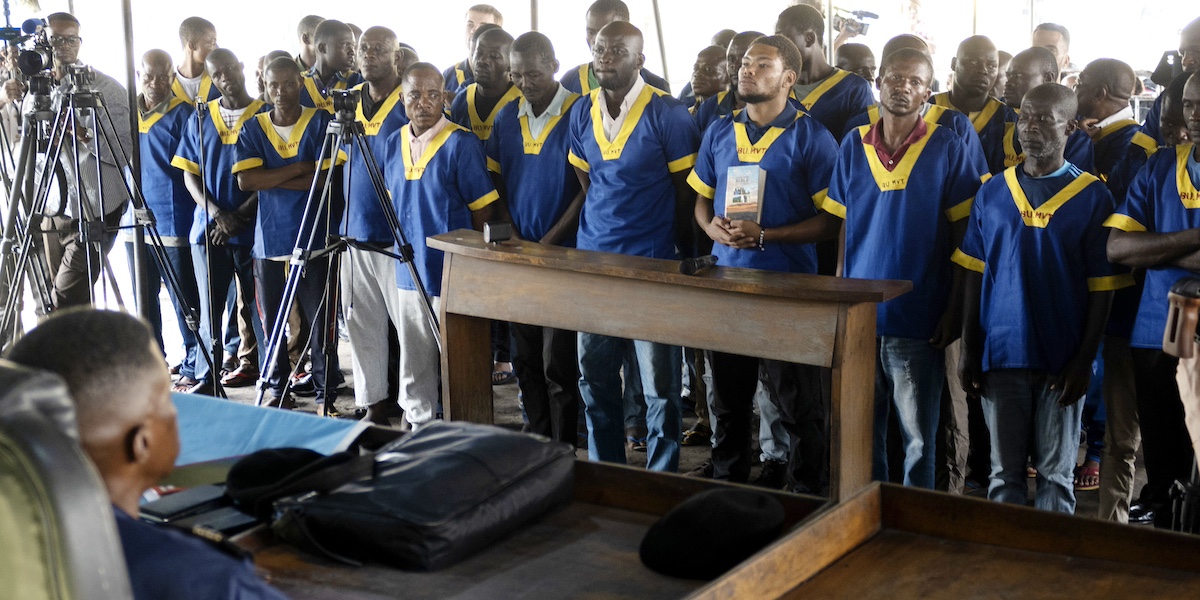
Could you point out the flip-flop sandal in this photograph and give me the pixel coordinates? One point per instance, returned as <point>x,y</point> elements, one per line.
<point>503,377</point>
<point>1082,473</point>
<point>697,437</point>
<point>635,444</point>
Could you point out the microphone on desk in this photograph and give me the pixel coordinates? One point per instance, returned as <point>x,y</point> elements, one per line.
<point>691,266</point>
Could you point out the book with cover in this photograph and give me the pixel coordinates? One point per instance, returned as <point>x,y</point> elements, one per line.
<point>744,193</point>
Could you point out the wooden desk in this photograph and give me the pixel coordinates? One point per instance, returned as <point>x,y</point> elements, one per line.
<point>895,542</point>
<point>809,319</point>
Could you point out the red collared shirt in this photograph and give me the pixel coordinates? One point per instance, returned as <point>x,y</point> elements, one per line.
<point>890,160</point>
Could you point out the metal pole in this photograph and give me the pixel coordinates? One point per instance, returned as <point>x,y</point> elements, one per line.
<point>144,291</point>
<point>533,15</point>
<point>662,44</point>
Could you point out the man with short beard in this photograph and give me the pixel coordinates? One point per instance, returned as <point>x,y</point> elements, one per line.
<point>975,67</point>
<point>583,79</point>
<point>1027,70</point>
<point>476,107</point>
<point>904,188</point>
<point>632,147</point>
<point>725,102</point>
<point>1037,292</point>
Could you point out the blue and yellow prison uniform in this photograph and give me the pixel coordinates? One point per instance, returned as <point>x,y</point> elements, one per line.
<point>839,98</point>
<point>1115,141</point>
<point>463,110</point>
<point>989,124</point>
<point>582,80</point>
<point>315,94</point>
<point>364,218</point>
<point>207,90</point>
<point>459,76</point>
<point>163,186</point>
<point>933,115</point>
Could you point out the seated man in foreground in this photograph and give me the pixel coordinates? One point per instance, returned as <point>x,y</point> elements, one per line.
<point>121,390</point>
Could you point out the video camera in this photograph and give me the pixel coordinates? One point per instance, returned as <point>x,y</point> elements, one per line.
<point>842,20</point>
<point>36,56</point>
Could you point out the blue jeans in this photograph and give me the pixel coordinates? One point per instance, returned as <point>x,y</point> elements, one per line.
<point>600,359</point>
<point>909,375</point>
<point>634,403</point>
<point>773,439</point>
<point>227,262</point>
<point>1019,404</point>
<point>180,259</point>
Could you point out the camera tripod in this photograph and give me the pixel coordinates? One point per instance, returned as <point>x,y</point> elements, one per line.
<point>30,191</point>
<point>344,130</point>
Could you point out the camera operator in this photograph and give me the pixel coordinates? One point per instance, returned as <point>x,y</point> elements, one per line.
<point>71,259</point>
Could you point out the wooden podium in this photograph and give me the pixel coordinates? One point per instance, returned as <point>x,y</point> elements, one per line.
<point>810,319</point>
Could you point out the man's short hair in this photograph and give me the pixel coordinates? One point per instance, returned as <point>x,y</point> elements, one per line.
<point>534,43</point>
<point>788,51</point>
<point>328,29</point>
<point>904,40</point>
<point>488,9</point>
<point>610,7</point>
<point>804,18</point>
<point>1065,102</point>
<point>308,25</point>
<point>192,28</point>
<point>482,29</point>
<point>1173,96</point>
<point>1043,58</point>
<point>1056,28</point>
<point>1117,77</point>
<point>852,49</point>
<point>282,66</point>
<point>62,16</point>
<point>905,54</point>
<point>421,66</point>
<point>100,354</point>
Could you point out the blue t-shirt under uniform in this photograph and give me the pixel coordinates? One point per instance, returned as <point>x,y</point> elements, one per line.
<point>839,98</point>
<point>165,564</point>
<point>435,193</point>
<point>989,124</point>
<point>797,154</point>
<point>1161,199</point>
<point>363,219</point>
<point>280,211</point>
<point>630,204</point>
<point>217,158</point>
<point>898,222</point>
<point>539,183</point>
<point>163,187</point>
<point>1040,244</point>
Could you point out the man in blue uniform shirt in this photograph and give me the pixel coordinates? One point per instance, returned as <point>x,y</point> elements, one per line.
<point>126,422</point>
<point>797,153</point>
<point>827,93</point>
<point>278,153</point>
<point>582,79</point>
<point>975,67</point>
<point>632,147</point>
<point>334,66</point>
<point>723,103</point>
<point>162,119</point>
<point>1037,293</point>
<point>223,212</point>
<point>198,36</point>
<point>527,154</point>
<point>1189,50</point>
<point>1027,70</point>
<point>1104,89</point>
<point>1157,227</point>
<point>369,297</point>
<point>904,188</point>
<point>475,108</point>
<point>437,174</point>
<point>459,76</point>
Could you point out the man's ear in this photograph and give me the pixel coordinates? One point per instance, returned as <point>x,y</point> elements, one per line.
<point>321,48</point>
<point>641,61</point>
<point>1072,125</point>
<point>953,63</point>
<point>810,38</point>
<point>137,444</point>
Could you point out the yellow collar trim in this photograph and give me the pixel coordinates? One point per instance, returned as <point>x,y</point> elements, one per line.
<point>1040,217</point>
<point>374,124</point>
<point>825,86</point>
<point>980,119</point>
<point>201,92</point>
<point>897,179</point>
<point>585,71</point>
<point>933,114</point>
<point>753,153</point>
<point>322,101</point>
<point>1183,181</point>
<point>145,123</point>
<point>483,127</point>
<point>290,147</point>
<point>414,171</point>
<point>612,150</point>
<point>229,135</point>
<point>1012,157</point>
<point>1114,127</point>
<point>534,145</point>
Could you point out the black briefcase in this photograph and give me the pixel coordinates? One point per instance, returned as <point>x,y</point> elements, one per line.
<point>436,497</point>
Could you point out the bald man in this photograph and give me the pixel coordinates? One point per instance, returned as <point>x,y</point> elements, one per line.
<point>1104,88</point>
<point>333,68</point>
<point>369,298</point>
<point>126,423</point>
<point>1038,289</point>
<point>825,92</point>
<point>975,67</point>
<point>1155,228</point>
<point>162,119</point>
<point>582,79</point>
<point>277,156</point>
<point>632,147</point>
<point>476,107</point>
<point>725,102</point>
<point>1028,69</point>
<point>1189,50</point>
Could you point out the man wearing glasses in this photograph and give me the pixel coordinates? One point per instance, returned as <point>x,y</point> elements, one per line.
<point>74,263</point>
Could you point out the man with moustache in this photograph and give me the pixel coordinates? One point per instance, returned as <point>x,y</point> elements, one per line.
<point>476,107</point>
<point>333,68</point>
<point>632,147</point>
<point>975,67</point>
<point>224,213</point>
<point>1037,293</point>
<point>437,174</point>
<point>725,102</point>
<point>904,188</point>
<point>798,154</point>
<point>1027,70</point>
<point>527,155</point>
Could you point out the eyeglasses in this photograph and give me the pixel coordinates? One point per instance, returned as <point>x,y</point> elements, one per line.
<point>68,40</point>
